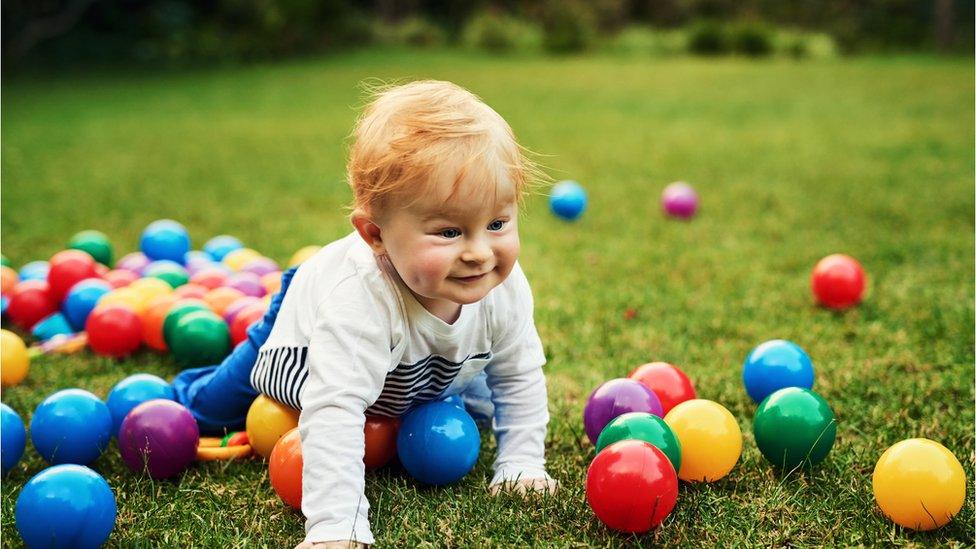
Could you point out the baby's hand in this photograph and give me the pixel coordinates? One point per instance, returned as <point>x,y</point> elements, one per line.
<point>343,544</point>
<point>524,486</point>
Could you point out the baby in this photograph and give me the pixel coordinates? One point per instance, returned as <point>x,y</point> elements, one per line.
<point>425,300</point>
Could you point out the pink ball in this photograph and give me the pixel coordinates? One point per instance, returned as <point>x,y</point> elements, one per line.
<point>261,266</point>
<point>679,200</point>
<point>135,262</point>
<point>230,313</point>
<point>246,283</point>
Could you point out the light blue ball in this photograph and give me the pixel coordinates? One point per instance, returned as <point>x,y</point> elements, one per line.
<point>165,239</point>
<point>438,443</point>
<point>81,300</point>
<point>568,200</point>
<point>219,246</point>
<point>65,506</point>
<point>774,365</point>
<point>133,391</point>
<point>52,325</point>
<point>35,270</point>
<point>71,426</point>
<point>13,437</point>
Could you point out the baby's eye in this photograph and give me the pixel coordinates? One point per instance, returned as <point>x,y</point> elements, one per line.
<point>450,233</point>
<point>496,225</point>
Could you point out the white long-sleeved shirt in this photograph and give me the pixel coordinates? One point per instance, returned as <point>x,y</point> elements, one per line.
<point>350,339</point>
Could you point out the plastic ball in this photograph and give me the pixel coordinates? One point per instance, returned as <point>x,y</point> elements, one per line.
<point>159,437</point>
<point>5,261</point>
<point>8,279</point>
<point>123,297</point>
<point>210,277</point>
<point>267,421</point>
<point>271,283</point>
<point>152,321</point>
<point>568,200</point>
<point>200,338</point>
<point>246,283</point>
<point>642,426</point>
<point>13,437</point>
<point>95,244</point>
<point>244,320</point>
<point>114,330</point>
<point>71,426</point>
<point>133,391</point>
<point>191,291</point>
<point>381,437</point>
<point>838,281</point>
<point>236,307</point>
<point>285,468</point>
<point>165,239</point>
<point>35,270</point>
<point>219,246</point>
<point>68,268</point>
<point>135,262</point>
<point>81,301</point>
<point>438,443</point>
<point>30,301</point>
<point>180,309</point>
<point>261,266</point>
<point>614,398</point>
<point>711,441</point>
<point>235,438</point>
<point>238,259</point>
<point>776,364</point>
<point>198,259</point>
<point>168,271</point>
<point>120,278</point>
<point>302,255</point>
<point>52,325</point>
<point>220,298</point>
<point>65,506</point>
<point>679,200</point>
<point>631,486</point>
<point>794,427</point>
<point>919,484</point>
<point>669,383</point>
<point>14,360</point>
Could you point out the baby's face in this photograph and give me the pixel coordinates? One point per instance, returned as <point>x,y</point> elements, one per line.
<point>453,249</point>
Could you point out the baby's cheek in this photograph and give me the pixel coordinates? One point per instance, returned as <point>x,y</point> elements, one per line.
<point>431,266</point>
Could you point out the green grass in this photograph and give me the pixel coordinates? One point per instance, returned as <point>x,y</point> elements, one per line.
<point>793,161</point>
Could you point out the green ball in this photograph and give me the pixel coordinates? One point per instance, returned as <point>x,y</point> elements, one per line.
<point>794,427</point>
<point>200,338</point>
<point>95,243</point>
<point>5,262</point>
<point>178,311</point>
<point>173,275</point>
<point>642,426</point>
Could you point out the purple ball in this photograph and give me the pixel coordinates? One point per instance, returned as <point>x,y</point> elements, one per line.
<point>160,437</point>
<point>261,266</point>
<point>232,310</point>
<point>135,262</point>
<point>246,283</point>
<point>679,200</point>
<point>614,398</point>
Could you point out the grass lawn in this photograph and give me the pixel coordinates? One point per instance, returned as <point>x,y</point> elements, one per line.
<point>793,161</point>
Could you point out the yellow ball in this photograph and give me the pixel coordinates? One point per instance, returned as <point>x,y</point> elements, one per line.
<point>711,441</point>
<point>302,255</point>
<point>124,296</point>
<point>149,289</point>
<point>14,361</point>
<point>919,484</point>
<point>238,259</point>
<point>267,421</point>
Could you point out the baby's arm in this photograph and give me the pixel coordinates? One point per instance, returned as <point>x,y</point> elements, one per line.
<point>349,355</point>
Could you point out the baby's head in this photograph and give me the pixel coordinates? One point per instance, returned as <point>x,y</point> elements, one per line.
<point>437,179</point>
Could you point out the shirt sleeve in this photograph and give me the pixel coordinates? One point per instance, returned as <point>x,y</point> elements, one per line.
<point>517,384</point>
<point>349,356</point>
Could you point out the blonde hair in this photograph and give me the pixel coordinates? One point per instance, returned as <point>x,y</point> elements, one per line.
<point>408,133</point>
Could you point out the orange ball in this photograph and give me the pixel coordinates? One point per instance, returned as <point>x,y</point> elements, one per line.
<point>285,468</point>
<point>381,435</point>
<point>153,318</point>
<point>220,298</point>
<point>271,282</point>
<point>8,279</point>
<point>192,290</point>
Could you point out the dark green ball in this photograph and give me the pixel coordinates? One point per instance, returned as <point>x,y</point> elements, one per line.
<point>646,427</point>
<point>5,262</point>
<point>200,338</point>
<point>95,243</point>
<point>178,311</point>
<point>174,275</point>
<point>794,427</point>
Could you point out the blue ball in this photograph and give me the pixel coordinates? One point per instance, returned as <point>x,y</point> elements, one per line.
<point>35,270</point>
<point>50,326</point>
<point>133,391</point>
<point>568,200</point>
<point>438,443</point>
<point>455,400</point>
<point>774,365</point>
<point>65,506</point>
<point>4,303</point>
<point>165,239</point>
<point>12,438</point>
<point>71,426</point>
<point>81,300</point>
<point>219,246</point>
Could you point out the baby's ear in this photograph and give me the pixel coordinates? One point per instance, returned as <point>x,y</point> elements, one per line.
<point>369,231</point>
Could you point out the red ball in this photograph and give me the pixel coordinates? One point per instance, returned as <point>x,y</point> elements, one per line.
<point>67,268</point>
<point>191,291</point>
<point>668,382</point>
<point>244,320</point>
<point>838,281</point>
<point>631,486</point>
<point>114,330</point>
<point>381,435</point>
<point>30,301</point>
